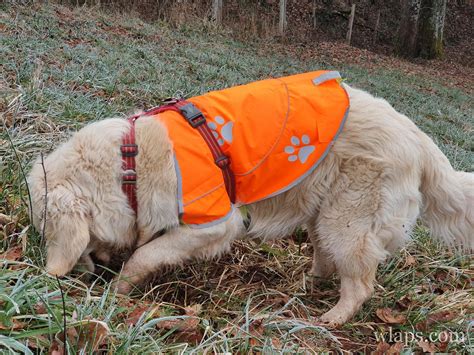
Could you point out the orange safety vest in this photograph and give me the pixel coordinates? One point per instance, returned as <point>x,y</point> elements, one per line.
<point>275,132</point>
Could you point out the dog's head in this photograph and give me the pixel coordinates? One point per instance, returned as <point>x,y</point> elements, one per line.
<point>77,202</point>
<point>61,213</point>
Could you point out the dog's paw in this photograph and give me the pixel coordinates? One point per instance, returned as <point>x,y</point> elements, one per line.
<point>57,270</point>
<point>122,287</point>
<point>333,318</point>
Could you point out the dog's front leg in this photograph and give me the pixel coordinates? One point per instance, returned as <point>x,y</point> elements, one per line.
<point>176,246</point>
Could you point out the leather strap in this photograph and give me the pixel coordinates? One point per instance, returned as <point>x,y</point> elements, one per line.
<point>197,120</point>
<point>129,151</point>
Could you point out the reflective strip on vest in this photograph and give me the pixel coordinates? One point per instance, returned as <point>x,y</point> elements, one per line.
<point>275,132</point>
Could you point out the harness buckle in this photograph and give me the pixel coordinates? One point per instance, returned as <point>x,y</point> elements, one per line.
<point>222,161</point>
<point>129,177</point>
<point>192,114</point>
<point>129,150</point>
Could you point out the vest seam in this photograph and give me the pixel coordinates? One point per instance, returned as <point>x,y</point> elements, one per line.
<point>204,194</point>
<point>214,222</point>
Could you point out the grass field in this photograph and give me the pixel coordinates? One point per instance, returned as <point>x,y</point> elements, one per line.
<point>62,68</point>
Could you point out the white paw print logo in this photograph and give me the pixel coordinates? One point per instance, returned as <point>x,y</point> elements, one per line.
<point>222,132</point>
<point>303,152</point>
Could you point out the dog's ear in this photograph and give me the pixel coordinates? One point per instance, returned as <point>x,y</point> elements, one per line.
<point>67,231</point>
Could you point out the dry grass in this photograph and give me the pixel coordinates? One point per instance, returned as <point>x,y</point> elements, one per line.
<point>61,68</point>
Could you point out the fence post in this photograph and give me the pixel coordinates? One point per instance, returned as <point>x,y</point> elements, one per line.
<point>314,14</point>
<point>351,23</point>
<point>282,24</point>
<point>217,11</point>
<point>377,24</point>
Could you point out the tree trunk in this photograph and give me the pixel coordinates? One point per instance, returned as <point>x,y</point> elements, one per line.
<point>282,22</point>
<point>430,29</point>
<point>217,11</point>
<point>408,30</point>
<point>421,28</point>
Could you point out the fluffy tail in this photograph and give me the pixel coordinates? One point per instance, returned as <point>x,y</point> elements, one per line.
<point>448,206</point>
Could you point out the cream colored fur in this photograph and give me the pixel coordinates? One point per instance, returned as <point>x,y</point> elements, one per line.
<point>359,205</point>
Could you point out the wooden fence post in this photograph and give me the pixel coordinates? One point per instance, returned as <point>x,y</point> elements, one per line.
<point>351,23</point>
<point>217,11</point>
<point>282,24</point>
<point>314,14</point>
<point>377,24</point>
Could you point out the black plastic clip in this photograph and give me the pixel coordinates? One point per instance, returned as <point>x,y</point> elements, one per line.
<point>192,114</point>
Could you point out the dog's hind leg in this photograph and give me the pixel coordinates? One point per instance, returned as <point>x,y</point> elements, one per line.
<point>347,231</point>
<point>322,266</point>
<point>177,246</point>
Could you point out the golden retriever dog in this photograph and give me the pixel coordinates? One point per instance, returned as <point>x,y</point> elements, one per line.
<point>358,206</point>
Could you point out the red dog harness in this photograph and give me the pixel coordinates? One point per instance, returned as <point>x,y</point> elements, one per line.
<point>196,119</point>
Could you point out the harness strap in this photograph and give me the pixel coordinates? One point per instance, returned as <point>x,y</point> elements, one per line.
<point>129,151</point>
<point>196,119</point>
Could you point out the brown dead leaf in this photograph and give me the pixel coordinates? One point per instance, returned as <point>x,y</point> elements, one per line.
<point>395,349</point>
<point>74,42</point>
<point>382,348</point>
<point>256,330</point>
<point>64,14</point>
<point>187,330</point>
<point>88,334</point>
<point>193,311</point>
<point>410,260</point>
<point>180,324</point>
<point>426,346</point>
<point>441,275</point>
<point>126,302</point>
<point>444,316</point>
<point>92,332</point>
<point>15,325</point>
<point>37,341</point>
<point>56,348</point>
<point>434,318</point>
<point>12,254</point>
<point>169,324</point>
<point>135,315</point>
<point>444,341</point>
<point>40,308</point>
<point>421,326</point>
<point>405,302</point>
<point>390,317</point>
<point>190,336</point>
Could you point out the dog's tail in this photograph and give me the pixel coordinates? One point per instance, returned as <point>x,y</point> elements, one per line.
<point>448,198</point>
